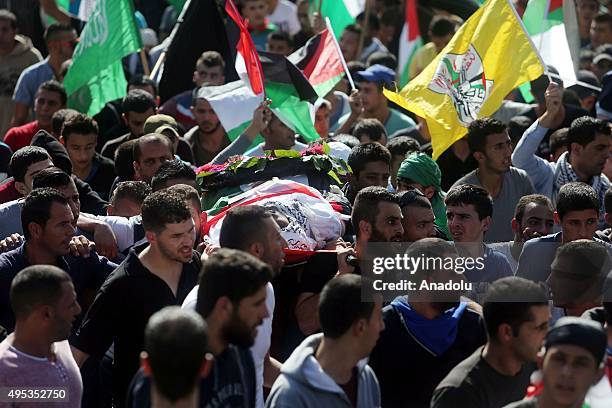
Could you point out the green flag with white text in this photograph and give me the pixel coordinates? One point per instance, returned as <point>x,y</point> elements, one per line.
<point>96,74</point>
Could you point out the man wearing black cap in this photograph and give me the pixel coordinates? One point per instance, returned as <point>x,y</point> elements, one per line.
<point>570,362</point>
<point>371,83</point>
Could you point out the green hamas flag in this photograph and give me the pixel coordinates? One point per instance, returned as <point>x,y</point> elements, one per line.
<point>96,74</point>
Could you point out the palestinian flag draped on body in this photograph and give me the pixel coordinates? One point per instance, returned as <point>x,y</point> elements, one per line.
<point>544,22</point>
<point>488,57</point>
<point>96,74</point>
<point>410,41</point>
<point>321,62</point>
<point>340,12</point>
<point>285,85</point>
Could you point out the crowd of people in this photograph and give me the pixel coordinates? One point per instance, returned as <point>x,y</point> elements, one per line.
<point>129,279</point>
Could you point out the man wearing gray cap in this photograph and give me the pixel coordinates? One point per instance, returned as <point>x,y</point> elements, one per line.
<point>571,362</point>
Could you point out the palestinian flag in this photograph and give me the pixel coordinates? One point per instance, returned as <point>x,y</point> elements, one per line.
<point>410,42</point>
<point>321,62</point>
<point>544,22</point>
<point>291,94</point>
<point>340,12</point>
<point>243,50</point>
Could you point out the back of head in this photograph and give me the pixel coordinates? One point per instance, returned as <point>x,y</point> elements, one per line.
<point>349,140</point>
<point>232,274</point>
<point>52,177</point>
<point>37,207</point>
<point>162,208</point>
<point>558,139</point>
<point>55,30</point>
<point>140,81</point>
<point>509,301</point>
<point>403,145</point>
<point>139,101</point>
<point>189,194</point>
<point>576,196</point>
<point>341,305</point>
<point>243,226</point>
<point>80,124</point>
<point>382,58</point>
<point>135,191</point>
<point>442,26</point>
<point>124,159</point>
<point>172,170</point>
<point>430,249</point>
<point>54,148</point>
<point>366,204</point>
<point>467,194</point>
<point>24,158</point>
<point>583,131</point>
<point>35,286</point>
<point>176,343</point>
<point>211,59</point>
<point>55,86</point>
<point>58,119</point>
<point>367,153</point>
<point>517,126</point>
<point>480,129</point>
<point>372,129</point>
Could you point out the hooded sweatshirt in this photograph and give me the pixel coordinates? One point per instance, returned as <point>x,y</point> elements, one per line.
<point>303,383</point>
<point>11,65</point>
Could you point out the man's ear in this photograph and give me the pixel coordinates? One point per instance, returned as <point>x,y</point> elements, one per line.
<point>35,229</point>
<point>207,365</point>
<point>145,364</point>
<point>223,308</point>
<point>136,167</point>
<point>486,223</point>
<point>62,140</point>
<point>504,332</point>
<point>21,188</point>
<point>256,249</point>
<point>608,218</point>
<point>557,218</point>
<point>124,117</point>
<point>359,327</point>
<point>365,229</point>
<point>540,358</point>
<point>515,225</point>
<point>151,237</point>
<point>479,156</point>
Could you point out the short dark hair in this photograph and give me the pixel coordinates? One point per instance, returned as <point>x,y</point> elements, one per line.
<point>10,17</point>
<point>603,18</point>
<point>480,129</point>
<point>367,153</point>
<point>243,226</point>
<point>150,138</point>
<point>189,193</point>
<point>232,273</point>
<point>53,86</point>
<point>281,36</point>
<point>372,128</point>
<point>558,139</point>
<point>517,127</point>
<point>583,130</point>
<point>466,194</point>
<point>373,20</point>
<point>340,305</point>
<point>53,177</point>
<point>524,201</point>
<point>37,207</point>
<point>509,301</point>
<point>576,196</point>
<point>124,160</point>
<point>163,207</point>
<point>136,191</point>
<point>608,200</point>
<point>138,101</point>
<point>55,29</point>
<point>353,28</point>
<point>24,158</point>
<point>413,198</point>
<point>441,26</point>
<point>81,124</point>
<point>382,58</point>
<point>211,59</point>
<point>172,170</point>
<point>366,204</point>
<point>346,139</point>
<point>185,333</point>
<point>402,145</point>
<point>141,81</point>
<point>34,286</point>
<point>59,117</point>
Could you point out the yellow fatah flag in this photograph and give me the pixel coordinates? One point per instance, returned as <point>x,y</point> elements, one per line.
<point>488,57</point>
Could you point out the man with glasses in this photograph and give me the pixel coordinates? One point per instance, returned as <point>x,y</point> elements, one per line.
<point>61,41</point>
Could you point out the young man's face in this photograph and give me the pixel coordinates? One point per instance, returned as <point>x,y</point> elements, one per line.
<point>418,223</point>
<point>278,136</point>
<point>176,240</point>
<point>205,116</point>
<point>66,310</point>
<point>496,157</point>
<point>81,149</point>
<point>591,159</point>
<point>441,42</point>
<point>273,245</point>
<point>208,75</point>
<point>601,33</point>
<point>322,121</point>
<point>579,225</point>
<point>56,234</point>
<point>64,45</point>
<point>531,334</point>
<point>152,156</point>
<point>388,224</point>
<point>349,41</point>
<point>537,222</point>
<point>371,97</point>
<point>464,224</point>
<point>373,174</point>
<point>568,373</point>
<point>255,11</point>
<point>7,35</point>
<point>587,9</point>
<point>246,317</point>
<point>278,47</point>
<point>46,104</point>
<point>26,187</point>
<point>135,121</point>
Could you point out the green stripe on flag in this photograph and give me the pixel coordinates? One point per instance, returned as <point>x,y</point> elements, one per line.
<point>294,112</point>
<point>337,12</point>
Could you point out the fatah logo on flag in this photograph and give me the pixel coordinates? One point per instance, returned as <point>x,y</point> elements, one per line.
<point>462,77</point>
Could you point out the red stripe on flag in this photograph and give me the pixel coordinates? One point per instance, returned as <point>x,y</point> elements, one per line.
<point>555,4</point>
<point>325,64</point>
<point>246,48</point>
<point>412,19</point>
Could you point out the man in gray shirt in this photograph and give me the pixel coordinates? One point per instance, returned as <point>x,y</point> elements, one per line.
<point>491,147</point>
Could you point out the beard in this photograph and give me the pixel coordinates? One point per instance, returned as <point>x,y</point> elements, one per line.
<point>213,130</point>
<point>238,333</point>
<point>175,255</point>
<point>378,236</point>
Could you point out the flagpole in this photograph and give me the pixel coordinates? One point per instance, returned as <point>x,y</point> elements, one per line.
<point>348,73</point>
<point>364,28</point>
<point>145,63</point>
